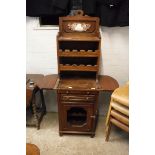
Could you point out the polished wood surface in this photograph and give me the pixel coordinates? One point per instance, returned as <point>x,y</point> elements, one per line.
<point>78,38</point>
<point>48,82</point>
<point>78,68</point>
<point>76,53</point>
<point>86,101</point>
<point>36,78</point>
<point>78,50</point>
<point>28,97</point>
<point>107,83</point>
<point>32,149</point>
<point>34,112</point>
<point>78,65</point>
<point>77,84</point>
<point>92,31</point>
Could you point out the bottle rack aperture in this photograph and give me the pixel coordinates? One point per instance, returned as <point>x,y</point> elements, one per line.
<point>78,55</point>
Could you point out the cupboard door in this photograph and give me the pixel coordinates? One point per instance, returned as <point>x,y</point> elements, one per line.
<point>77,117</point>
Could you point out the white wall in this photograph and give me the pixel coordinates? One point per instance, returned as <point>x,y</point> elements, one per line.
<point>42,58</point>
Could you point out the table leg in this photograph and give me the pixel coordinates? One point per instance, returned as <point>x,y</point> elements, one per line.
<point>35,111</point>
<point>43,101</point>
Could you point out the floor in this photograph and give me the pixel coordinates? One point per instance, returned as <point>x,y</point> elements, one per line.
<point>50,143</point>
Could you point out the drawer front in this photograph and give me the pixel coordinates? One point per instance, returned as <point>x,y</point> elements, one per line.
<point>78,98</point>
<point>77,121</point>
<point>77,92</point>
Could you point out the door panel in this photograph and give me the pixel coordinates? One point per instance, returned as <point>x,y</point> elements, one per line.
<point>77,117</point>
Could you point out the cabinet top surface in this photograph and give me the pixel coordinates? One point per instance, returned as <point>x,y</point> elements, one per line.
<point>52,82</point>
<point>77,84</point>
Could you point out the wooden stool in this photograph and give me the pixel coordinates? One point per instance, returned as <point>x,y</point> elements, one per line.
<point>32,149</point>
<point>118,113</point>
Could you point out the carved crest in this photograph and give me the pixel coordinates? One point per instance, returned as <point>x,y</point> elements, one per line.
<point>79,27</point>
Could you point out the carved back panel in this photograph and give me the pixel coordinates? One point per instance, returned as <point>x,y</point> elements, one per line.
<point>79,25</point>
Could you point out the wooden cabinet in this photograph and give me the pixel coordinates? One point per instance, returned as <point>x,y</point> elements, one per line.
<point>78,52</point>
<point>77,111</point>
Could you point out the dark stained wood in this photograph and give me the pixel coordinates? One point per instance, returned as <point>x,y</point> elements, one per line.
<point>31,108</point>
<point>77,84</point>
<point>92,31</point>
<point>107,83</point>
<point>78,68</point>
<point>28,97</point>
<point>78,38</point>
<point>78,65</point>
<point>72,43</point>
<point>36,78</point>
<point>85,100</point>
<point>76,53</point>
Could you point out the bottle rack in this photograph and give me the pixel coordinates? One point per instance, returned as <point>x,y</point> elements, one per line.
<point>74,67</point>
<point>78,56</point>
<point>78,53</point>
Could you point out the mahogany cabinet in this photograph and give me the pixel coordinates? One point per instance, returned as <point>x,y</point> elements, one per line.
<point>78,53</point>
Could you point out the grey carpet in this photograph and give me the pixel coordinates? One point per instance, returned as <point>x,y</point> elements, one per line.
<point>50,143</point>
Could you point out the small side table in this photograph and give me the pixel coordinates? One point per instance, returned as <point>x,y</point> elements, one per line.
<point>34,118</point>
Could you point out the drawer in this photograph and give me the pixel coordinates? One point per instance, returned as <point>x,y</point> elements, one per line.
<point>78,98</point>
<point>77,92</point>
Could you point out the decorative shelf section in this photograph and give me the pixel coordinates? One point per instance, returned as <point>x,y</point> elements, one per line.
<point>78,52</point>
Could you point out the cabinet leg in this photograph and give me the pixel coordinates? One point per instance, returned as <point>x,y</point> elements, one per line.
<point>92,135</point>
<point>60,134</point>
